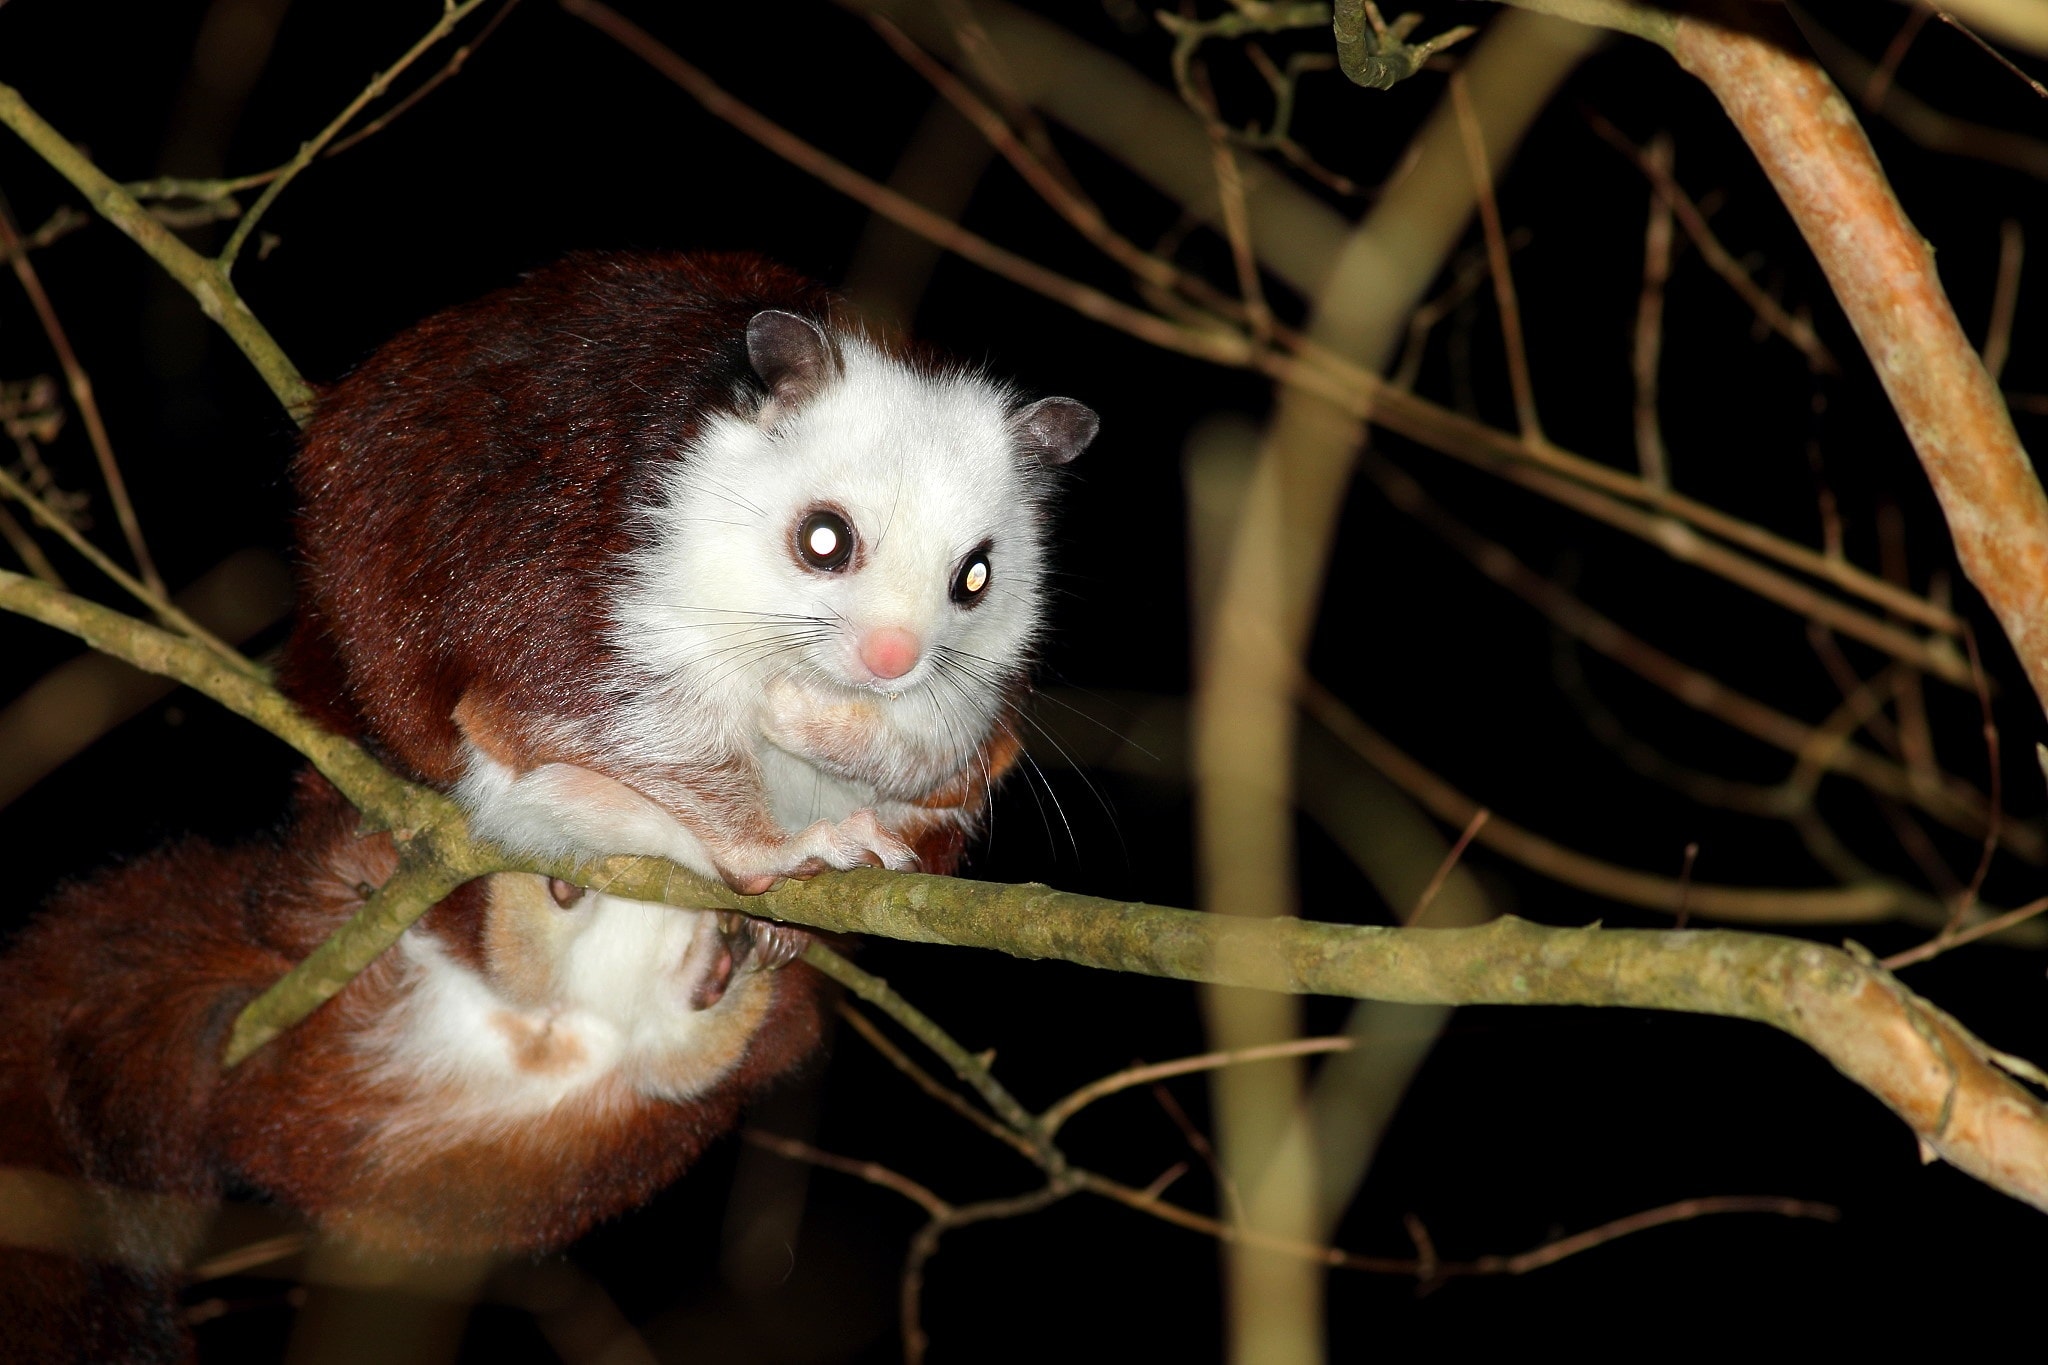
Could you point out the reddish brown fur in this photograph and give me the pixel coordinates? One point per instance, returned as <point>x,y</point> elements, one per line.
<point>414,630</point>
<point>505,594</point>
<point>114,1008</point>
<point>468,495</point>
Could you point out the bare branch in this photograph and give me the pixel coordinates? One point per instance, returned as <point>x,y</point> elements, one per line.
<point>925,1081</point>
<point>1940,944</point>
<point>1444,869</point>
<point>2012,242</point>
<point>1797,330</point>
<point>1738,904</point>
<point>1497,263</point>
<point>1647,352</point>
<point>1809,143</point>
<point>1947,798</point>
<point>871,1171</point>
<point>202,279</point>
<point>80,384</point>
<point>452,13</point>
<point>1057,1115</point>
<point>154,599</point>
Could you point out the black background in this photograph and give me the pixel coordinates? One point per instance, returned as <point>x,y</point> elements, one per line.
<point>1524,1124</point>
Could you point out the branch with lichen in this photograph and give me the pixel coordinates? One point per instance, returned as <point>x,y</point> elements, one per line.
<point>1954,1091</point>
<point>207,280</point>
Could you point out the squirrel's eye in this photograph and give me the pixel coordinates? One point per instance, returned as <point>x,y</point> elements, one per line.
<point>824,541</point>
<point>972,578</point>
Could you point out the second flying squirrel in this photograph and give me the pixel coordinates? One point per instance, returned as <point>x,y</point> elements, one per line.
<point>654,554</point>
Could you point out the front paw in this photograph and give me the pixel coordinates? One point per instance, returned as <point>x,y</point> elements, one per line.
<point>860,840</point>
<point>838,733</point>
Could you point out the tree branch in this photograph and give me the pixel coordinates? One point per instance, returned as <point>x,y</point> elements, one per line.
<point>1808,142</point>
<point>202,279</point>
<point>1919,1062</point>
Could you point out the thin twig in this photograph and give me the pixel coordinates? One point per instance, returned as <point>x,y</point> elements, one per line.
<point>1443,869</point>
<point>1237,219</point>
<point>452,13</point>
<point>1968,900</point>
<point>204,191</point>
<point>1548,1254</point>
<point>1679,540</point>
<point>1941,943</point>
<point>158,603</point>
<point>979,51</point>
<point>1949,799</point>
<point>1153,268</point>
<point>1913,739</point>
<point>1649,334</point>
<point>871,1171</point>
<point>928,1083</point>
<point>1467,274</point>
<point>964,1064</point>
<point>80,384</point>
<point>1993,53</point>
<point>1497,262</point>
<point>1198,1142</point>
<point>1219,345</point>
<point>2012,242</point>
<point>23,544</point>
<point>201,278</point>
<point>926,1243</point>
<point>448,71</point>
<point>1058,1113</point>
<point>1685,1209</point>
<point>1797,330</point>
<point>62,222</point>
<point>1830,905</point>
<point>1887,67</point>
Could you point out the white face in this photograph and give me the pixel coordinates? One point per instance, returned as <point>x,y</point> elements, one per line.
<point>877,554</point>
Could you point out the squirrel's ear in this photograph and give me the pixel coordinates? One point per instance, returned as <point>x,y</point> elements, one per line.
<point>1055,430</point>
<point>792,355</point>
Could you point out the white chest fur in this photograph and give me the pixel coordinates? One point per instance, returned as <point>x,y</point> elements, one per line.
<point>800,792</point>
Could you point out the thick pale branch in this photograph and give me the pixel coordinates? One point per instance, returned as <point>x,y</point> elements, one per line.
<point>1808,141</point>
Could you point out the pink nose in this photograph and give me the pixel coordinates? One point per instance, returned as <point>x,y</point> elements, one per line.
<point>889,652</point>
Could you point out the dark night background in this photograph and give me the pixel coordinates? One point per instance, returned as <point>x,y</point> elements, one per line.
<point>1524,1124</point>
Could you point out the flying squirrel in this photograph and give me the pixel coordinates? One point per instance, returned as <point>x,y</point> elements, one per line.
<point>649,553</point>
